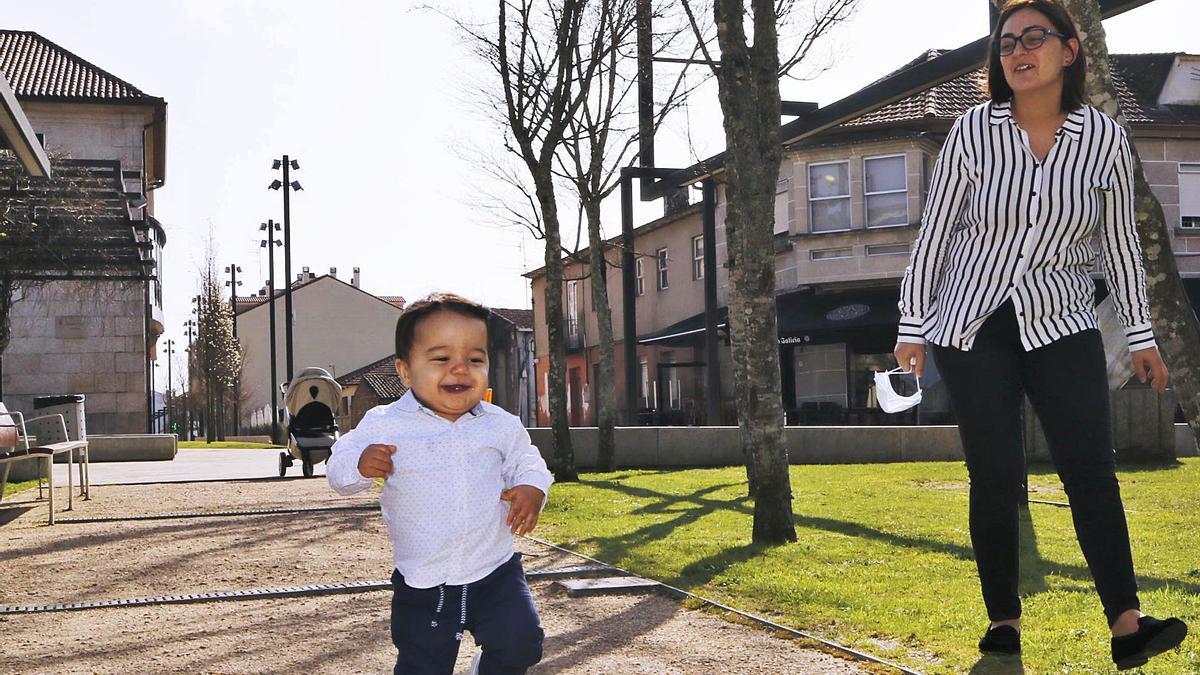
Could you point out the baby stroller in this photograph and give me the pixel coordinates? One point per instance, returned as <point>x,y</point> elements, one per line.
<point>310,400</point>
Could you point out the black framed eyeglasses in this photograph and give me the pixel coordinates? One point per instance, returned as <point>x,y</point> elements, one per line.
<point>1031,38</point>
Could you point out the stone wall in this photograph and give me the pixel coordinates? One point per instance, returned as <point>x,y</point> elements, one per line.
<point>81,338</point>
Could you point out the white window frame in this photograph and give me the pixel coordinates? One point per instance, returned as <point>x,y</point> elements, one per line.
<point>698,257</point>
<point>867,195</point>
<point>662,264</point>
<point>1188,221</point>
<point>639,281</point>
<point>644,370</point>
<point>573,308</point>
<point>812,225</point>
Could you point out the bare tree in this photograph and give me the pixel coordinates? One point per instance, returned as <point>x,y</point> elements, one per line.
<point>602,137</point>
<point>1175,325</point>
<point>218,358</point>
<point>748,74</point>
<point>534,54</point>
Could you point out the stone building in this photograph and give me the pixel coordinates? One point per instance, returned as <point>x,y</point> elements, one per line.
<point>848,205</point>
<point>89,323</point>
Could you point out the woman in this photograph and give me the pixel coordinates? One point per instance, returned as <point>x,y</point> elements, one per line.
<point>998,285</point>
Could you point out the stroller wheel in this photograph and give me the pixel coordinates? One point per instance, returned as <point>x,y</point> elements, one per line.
<point>284,463</point>
<point>308,469</point>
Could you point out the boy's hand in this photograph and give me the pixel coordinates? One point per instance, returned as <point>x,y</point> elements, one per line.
<point>525,505</point>
<point>376,461</point>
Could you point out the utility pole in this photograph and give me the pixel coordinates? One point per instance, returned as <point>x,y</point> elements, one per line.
<point>288,185</point>
<point>271,227</point>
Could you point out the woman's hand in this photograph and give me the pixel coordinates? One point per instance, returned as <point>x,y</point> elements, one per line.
<point>1149,361</point>
<point>911,357</point>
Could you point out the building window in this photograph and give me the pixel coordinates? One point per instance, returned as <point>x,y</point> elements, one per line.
<point>1189,196</point>
<point>645,371</point>
<point>639,282</point>
<point>573,308</point>
<point>661,257</point>
<point>885,191</point>
<point>831,253</point>
<point>698,257</point>
<point>829,196</point>
<point>888,249</point>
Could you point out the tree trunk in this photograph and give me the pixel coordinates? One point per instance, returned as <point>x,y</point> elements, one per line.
<point>563,465</point>
<point>748,89</point>
<point>1175,325</point>
<point>606,395</point>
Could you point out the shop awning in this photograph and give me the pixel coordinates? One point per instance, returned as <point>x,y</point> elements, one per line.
<point>802,316</point>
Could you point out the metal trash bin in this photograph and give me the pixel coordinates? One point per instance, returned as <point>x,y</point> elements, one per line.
<point>70,406</point>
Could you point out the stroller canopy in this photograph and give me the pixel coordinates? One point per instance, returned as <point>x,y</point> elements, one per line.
<point>312,385</point>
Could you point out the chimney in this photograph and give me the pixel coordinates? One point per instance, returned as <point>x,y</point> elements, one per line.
<point>355,281</point>
<point>333,272</point>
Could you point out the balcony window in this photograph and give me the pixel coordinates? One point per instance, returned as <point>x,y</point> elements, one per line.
<point>573,309</point>
<point>1189,196</point>
<point>639,282</point>
<point>698,257</point>
<point>661,257</point>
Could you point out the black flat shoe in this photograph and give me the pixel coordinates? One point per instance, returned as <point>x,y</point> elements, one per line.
<point>1153,637</point>
<point>1001,640</point>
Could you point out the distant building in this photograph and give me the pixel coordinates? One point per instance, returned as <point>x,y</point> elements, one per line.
<point>848,206</point>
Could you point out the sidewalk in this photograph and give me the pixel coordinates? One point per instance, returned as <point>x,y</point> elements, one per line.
<point>189,465</point>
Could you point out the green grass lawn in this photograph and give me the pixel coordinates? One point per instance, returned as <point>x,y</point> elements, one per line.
<point>224,445</point>
<point>13,488</point>
<point>883,562</point>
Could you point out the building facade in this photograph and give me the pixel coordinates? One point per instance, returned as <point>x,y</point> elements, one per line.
<point>94,336</point>
<point>848,206</point>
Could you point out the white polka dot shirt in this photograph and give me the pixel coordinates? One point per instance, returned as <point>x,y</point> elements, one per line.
<point>442,501</point>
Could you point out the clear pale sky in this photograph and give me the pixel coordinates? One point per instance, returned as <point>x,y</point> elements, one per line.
<point>375,100</point>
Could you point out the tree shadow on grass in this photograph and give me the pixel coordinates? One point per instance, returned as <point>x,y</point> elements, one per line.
<point>1034,567</point>
<point>998,665</point>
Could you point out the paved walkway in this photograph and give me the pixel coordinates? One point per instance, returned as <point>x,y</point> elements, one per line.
<point>189,465</point>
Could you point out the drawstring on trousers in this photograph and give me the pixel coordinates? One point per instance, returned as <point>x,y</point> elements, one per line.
<point>462,615</point>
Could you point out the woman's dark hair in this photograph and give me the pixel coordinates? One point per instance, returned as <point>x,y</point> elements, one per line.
<point>406,325</point>
<point>1075,76</point>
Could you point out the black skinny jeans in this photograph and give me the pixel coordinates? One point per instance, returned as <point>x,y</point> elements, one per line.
<point>1067,383</point>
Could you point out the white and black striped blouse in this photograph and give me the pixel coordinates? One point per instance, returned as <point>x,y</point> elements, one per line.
<point>999,225</point>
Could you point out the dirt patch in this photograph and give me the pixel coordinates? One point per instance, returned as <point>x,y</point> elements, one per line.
<point>337,633</point>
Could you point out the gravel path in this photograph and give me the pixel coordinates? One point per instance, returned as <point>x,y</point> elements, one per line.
<point>647,633</point>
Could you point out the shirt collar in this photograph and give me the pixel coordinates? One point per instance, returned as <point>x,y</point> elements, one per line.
<point>1072,128</point>
<point>409,403</point>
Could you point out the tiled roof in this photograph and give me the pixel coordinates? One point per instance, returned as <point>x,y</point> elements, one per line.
<point>522,318</point>
<point>36,68</point>
<point>1138,79</point>
<point>380,376</point>
<point>394,300</point>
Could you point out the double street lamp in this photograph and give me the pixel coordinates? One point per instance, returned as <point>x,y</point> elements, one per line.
<point>233,284</point>
<point>271,227</point>
<point>288,185</point>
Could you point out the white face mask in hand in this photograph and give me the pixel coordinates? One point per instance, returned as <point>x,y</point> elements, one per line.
<point>889,400</point>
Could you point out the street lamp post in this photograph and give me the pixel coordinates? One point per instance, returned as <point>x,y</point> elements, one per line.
<point>288,185</point>
<point>190,325</point>
<point>271,227</point>
<point>233,284</point>
<point>206,419</point>
<point>170,393</point>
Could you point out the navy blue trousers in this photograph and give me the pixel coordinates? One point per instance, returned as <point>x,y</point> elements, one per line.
<point>499,613</point>
<point>1067,383</point>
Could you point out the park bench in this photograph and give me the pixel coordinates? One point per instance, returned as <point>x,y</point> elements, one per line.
<point>51,436</point>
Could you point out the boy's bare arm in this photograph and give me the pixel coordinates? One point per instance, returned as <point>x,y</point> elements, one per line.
<point>376,460</point>
<point>525,505</point>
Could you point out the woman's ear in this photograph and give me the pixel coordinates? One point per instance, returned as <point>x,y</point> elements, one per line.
<point>1071,52</point>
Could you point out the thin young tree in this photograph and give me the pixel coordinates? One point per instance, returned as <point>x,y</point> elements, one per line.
<point>534,55</point>
<point>748,73</point>
<point>602,137</point>
<point>217,354</point>
<point>1175,326</point>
